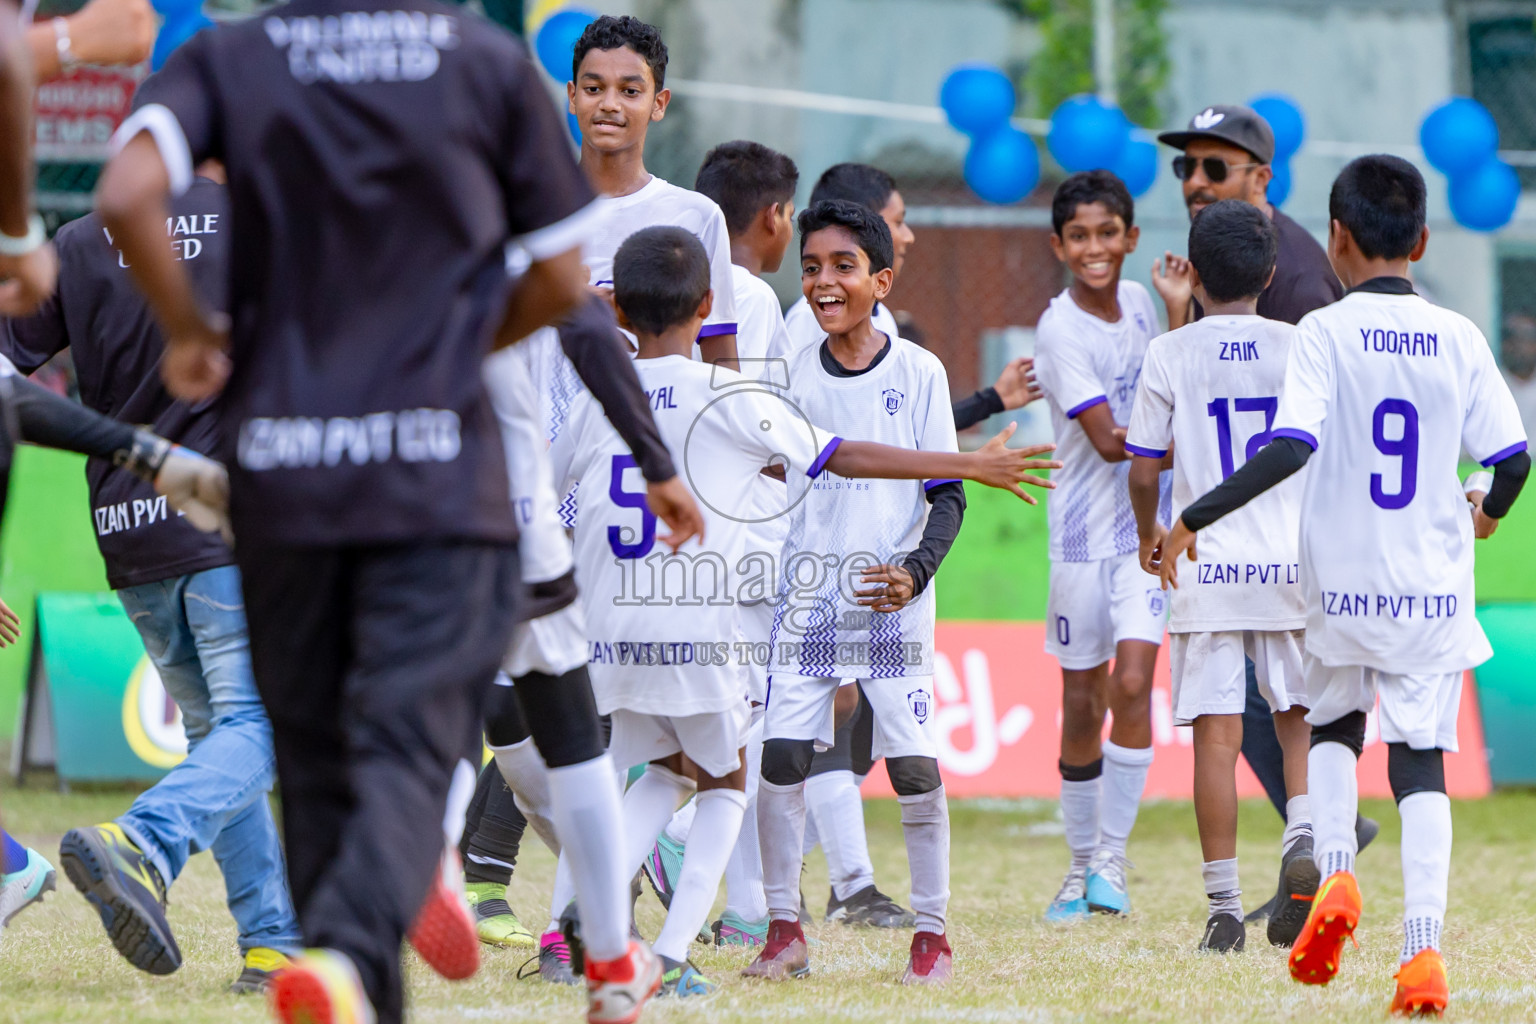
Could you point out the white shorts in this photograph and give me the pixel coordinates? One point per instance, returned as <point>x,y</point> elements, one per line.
<point>1095,605</point>
<point>713,741</point>
<point>800,708</point>
<point>1419,710</point>
<point>554,644</point>
<point>1210,676</point>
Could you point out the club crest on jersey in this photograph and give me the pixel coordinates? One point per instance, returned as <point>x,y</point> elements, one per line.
<point>1141,322</point>
<point>1157,601</point>
<point>892,400</point>
<point>920,703</point>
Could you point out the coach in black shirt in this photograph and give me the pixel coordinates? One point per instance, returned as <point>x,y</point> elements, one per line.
<point>1226,155</point>
<point>381,159</point>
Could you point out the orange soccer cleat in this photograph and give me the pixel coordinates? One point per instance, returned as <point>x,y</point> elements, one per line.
<point>1320,946</point>
<point>1421,985</point>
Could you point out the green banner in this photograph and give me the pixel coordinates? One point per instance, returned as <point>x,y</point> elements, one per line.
<point>1506,691</point>
<point>94,707</point>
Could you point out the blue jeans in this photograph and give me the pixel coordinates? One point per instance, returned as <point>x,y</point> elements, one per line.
<point>194,631</point>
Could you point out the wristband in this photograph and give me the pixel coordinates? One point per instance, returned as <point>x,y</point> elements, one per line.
<point>146,456</point>
<point>33,240</point>
<point>68,62</point>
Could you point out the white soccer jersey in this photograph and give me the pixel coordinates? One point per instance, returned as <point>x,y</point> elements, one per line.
<point>1388,389</point>
<point>804,331</point>
<point>1211,390</point>
<point>844,526</point>
<point>1081,361</point>
<point>760,331</point>
<point>663,627</point>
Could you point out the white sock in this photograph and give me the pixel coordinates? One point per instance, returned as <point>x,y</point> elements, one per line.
<point>744,870</point>
<point>585,801</point>
<point>925,826</point>
<point>1221,888</point>
<point>1334,794</point>
<point>678,827</point>
<point>648,806</point>
<point>526,776</point>
<point>832,800</point>
<point>461,790</point>
<point>781,830</point>
<point>1298,820</point>
<point>1080,816</point>
<point>562,892</point>
<point>1125,777</point>
<point>715,829</point>
<point>1426,869</point>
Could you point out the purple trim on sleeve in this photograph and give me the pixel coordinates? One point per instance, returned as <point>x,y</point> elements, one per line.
<point>821,460</point>
<point>1151,453</point>
<point>931,484</point>
<point>1513,449</point>
<point>712,330</point>
<point>1076,410</point>
<point>1300,435</point>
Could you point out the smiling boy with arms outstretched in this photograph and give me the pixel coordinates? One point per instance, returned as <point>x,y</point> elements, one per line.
<point>1088,352</point>
<point>662,664</point>
<point>1209,391</point>
<point>1382,392</point>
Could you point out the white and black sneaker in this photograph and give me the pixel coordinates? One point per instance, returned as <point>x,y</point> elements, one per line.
<point>869,908</point>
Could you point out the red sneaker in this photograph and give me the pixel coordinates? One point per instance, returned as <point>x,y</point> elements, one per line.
<point>444,930</point>
<point>784,955</point>
<point>931,962</point>
<point>617,990</point>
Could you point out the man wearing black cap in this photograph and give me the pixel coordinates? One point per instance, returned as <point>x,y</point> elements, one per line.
<point>1227,154</point>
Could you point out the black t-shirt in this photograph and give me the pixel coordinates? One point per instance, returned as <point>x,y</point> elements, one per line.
<point>1304,279</point>
<point>380,160</point>
<point>99,315</point>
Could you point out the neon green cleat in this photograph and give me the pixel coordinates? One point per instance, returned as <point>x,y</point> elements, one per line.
<point>261,965</point>
<point>494,921</point>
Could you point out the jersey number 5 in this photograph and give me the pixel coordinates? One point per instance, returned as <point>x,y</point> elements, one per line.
<point>1218,408</point>
<point>619,536</point>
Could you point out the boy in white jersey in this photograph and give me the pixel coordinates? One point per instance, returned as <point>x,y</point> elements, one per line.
<point>1382,392</point>
<point>1209,392</point>
<point>663,661</point>
<point>1089,346</point>
<point>616,92</point>
<point>845,612</point>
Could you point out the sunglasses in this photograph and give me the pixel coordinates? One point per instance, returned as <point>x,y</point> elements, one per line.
<point>1216,169</point>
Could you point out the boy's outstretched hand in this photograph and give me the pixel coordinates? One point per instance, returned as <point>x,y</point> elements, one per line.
<point>10,625</point>
<point>1016,385</point>
<point>1005,468</point>
<point>1179,540</point>
<point>670,502</point>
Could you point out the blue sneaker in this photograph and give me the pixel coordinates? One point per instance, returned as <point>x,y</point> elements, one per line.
<point>1071,903</point>
<point>20,889</point>
<point>734,930</point>
<point>683,980</point>
<point>1106,883</point>
<point>663,867</point>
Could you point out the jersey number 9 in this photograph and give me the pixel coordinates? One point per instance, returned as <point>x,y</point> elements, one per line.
<point>1405,447</point>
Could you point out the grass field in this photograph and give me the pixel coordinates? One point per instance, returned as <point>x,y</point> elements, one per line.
<point>56,965</point>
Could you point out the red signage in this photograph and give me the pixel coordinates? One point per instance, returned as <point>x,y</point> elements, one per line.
<point>77,115</point>
<point>997,720</point>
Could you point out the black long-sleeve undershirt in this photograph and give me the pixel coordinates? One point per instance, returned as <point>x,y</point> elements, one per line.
<point>972,410</point>
<point>53,421</point>
<point>946,513</point>
<point>1285,455</point>
<point>591,341</point>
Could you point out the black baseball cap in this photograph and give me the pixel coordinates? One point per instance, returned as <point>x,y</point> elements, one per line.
<point>1240,126</point>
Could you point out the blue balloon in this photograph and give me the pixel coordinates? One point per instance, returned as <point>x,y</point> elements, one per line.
<point>1280,185</point>
<point>1087,134</point>
<point>1484,199</point>
<point>1285,120</point>
<point>556,41</point>
<point>1137,166</point>
<point>1459,136</point>
<point>977,98</point>
<point>1003,167</point>
<point>174,32</point>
